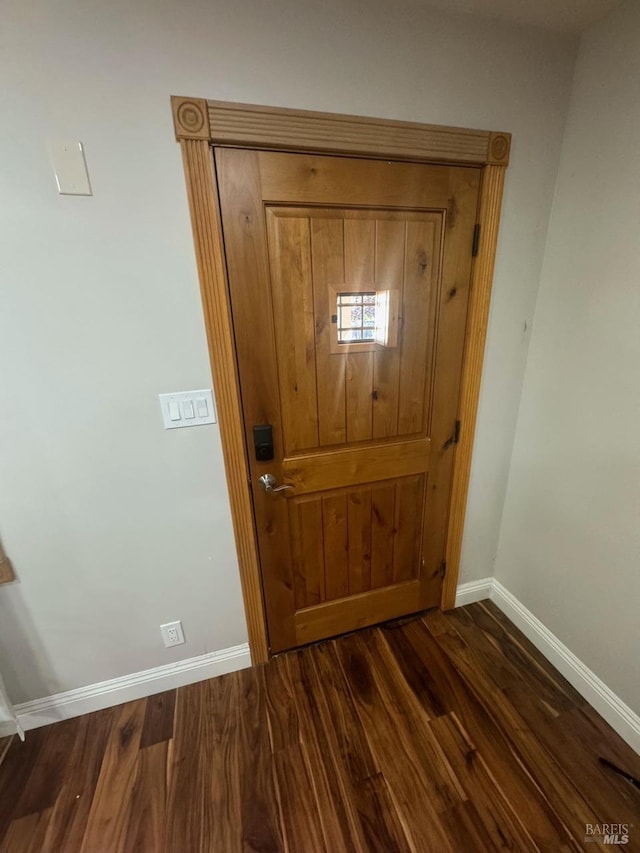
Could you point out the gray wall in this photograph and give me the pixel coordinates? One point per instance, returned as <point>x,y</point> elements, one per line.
<point>570,541</point>
<point>113,524</point>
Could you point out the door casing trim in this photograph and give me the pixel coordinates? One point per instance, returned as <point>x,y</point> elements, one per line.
<point>199,124</point>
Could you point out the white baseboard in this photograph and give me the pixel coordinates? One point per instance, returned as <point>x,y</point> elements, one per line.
<point>619,715</point>
<point>105,694</point>
<point>469,593</point>
<point>84,700</point>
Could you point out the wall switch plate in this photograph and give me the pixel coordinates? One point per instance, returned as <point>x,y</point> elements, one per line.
<point>172,633</point>
<point>70,167</point>
<point>187,408</point>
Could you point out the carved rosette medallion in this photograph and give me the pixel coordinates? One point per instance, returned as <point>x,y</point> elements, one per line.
<point>190,118</point>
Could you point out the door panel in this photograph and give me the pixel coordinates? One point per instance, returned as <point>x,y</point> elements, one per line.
<point>345,614</point>
<point>350,541</point>
<point>327,248</point>
<point>317,179</point>
<point>422,268</point>
<point>310,255</point>
<point>384,539</point>
<point>293,315</point>
<point>349,286</point>
<point>352,465</point>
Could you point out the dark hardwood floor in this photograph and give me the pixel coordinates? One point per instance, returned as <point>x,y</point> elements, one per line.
<point>441,733</point>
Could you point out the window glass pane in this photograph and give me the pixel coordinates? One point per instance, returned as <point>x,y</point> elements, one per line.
<point>356,316</point>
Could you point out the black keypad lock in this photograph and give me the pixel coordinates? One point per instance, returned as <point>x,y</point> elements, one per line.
<point>263,442</point>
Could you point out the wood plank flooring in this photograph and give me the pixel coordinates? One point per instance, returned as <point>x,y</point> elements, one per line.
<point>436,733</point>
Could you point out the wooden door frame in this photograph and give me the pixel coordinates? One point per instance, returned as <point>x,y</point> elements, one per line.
<point>200,124</point>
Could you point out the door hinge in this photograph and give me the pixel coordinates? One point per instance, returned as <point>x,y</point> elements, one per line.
<point>455,437</point>
<point>476,240</point>
<point>443,569</point>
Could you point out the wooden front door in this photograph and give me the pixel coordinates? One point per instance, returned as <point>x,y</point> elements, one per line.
<point>349,283</point>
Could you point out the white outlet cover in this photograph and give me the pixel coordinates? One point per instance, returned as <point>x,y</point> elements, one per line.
<point>172,633</point>
<point>70,168</point>
<point>187,408</point>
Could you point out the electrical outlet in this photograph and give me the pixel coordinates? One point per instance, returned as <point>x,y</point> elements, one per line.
<point>172,634</point>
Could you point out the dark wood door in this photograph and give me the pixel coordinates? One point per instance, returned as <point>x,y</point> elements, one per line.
<point>349,283</point>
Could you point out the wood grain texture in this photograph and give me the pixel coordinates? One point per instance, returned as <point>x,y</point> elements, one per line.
<point>322,133</point>
<point>247,258</point>
<point>383,534</point>
<point>6,569</point>
<point>476,333</point>
<point>336,545</point>
<point>43,787</point>
<point>158,719</point>
<point>454,317</point>
<point>68,821</point>
<point>359,525</point>
<point>207,236</point>
<point>15,772</point>
<point>408,528</point>
<point>221,790</point>
<point>304,130</point>
<point>261,827</point>
<point>110,804</point>
<point>350,541</point>
<point>347,614</point>
<point>293,316</point>
<point>389,276</point>
<point>401,758</point>
<point>359,273</point>
<point>27,834</point>
<point>319,180</point>
<point>337,469</point>
<point>190,118</point>
<point>340,825</point>
<point>499,148</point>
<point>327,251</point>
<point>309,563</point>
<point>5,743</point>
<point>443,732</point>
<point>385,401</point>
<point>347,392</point>
<point>193,774</point>
<point>146,823</point>
<point>421,274</point>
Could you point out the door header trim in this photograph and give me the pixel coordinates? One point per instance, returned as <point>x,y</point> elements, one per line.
<point>251,126</point>
<point>198,125</point>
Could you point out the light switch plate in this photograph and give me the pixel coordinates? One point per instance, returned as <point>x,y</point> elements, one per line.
<point>70,167</point>
<point>187,408</point>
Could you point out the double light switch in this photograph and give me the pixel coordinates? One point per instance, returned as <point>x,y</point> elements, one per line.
<point>187,408</point>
